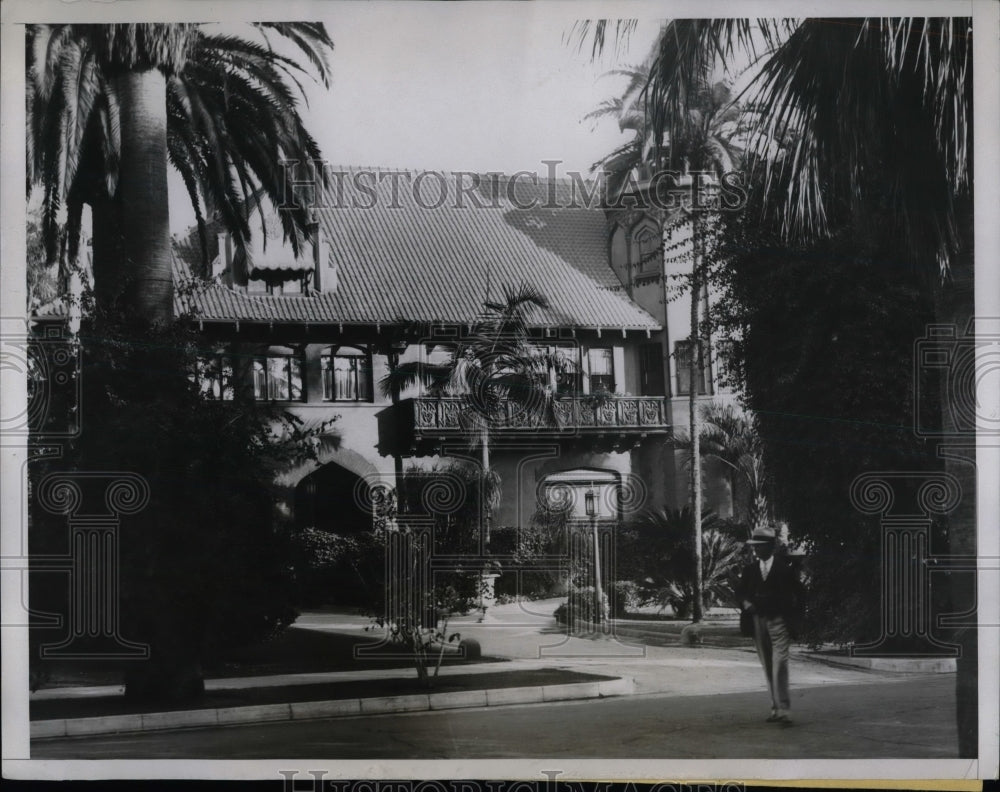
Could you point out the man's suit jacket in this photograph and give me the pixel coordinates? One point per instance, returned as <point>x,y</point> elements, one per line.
<point>780,595</point>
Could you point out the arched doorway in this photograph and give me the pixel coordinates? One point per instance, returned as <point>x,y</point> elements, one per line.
<point>339,558</point>
<point>333,499</point>
<point>585,505</point>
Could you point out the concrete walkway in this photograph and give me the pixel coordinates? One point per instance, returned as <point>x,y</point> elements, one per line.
<point>526,635</point>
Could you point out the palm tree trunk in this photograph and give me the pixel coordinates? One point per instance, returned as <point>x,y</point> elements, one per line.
<point>141,244</point>
<point>486,510</point>
<point>695,360</point>
<point>141,200</point>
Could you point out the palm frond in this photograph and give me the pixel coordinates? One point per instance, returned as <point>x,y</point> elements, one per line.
<point>596,31</point>
<point>432,375</point>
<point>312,40</point>
<point>843,100</point>
<point>233,116</point>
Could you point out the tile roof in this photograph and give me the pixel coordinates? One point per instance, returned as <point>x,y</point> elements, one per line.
<point>409,248</point>
<point>429,246</point>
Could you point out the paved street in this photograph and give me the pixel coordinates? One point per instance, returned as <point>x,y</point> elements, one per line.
<point>901,718</point>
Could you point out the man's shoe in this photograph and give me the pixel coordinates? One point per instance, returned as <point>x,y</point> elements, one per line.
<point>784,720</point>
<point>773,717</point>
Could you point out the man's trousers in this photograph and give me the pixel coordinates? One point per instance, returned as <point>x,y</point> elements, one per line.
<point>773,642</point>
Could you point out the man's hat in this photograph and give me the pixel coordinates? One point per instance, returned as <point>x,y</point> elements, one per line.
<point>763,534</point>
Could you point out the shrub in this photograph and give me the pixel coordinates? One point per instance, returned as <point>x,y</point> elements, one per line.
<point>523,546</point>
<point>624,597</point>
<point>579,607</point>
<point>331,567</point>
<point>663,555</point>
<point>417,615</point>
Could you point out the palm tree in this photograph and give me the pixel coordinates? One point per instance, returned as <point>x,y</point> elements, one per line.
<point>667,563</point>
<point>493,366</point>
<point>879,113</point>
<point>618,166</point>
<point>729,436</point>
<point>702,135</point>
<point>108,106</point>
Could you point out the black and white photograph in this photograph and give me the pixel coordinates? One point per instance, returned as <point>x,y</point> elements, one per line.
<point>546,390</point>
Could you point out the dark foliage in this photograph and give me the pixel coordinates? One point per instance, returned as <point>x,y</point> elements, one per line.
<point>825,355</point>
<point>657,551</point>
<point>206,564</point>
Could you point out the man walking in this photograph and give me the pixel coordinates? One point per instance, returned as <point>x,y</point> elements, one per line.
<point>770,590</point>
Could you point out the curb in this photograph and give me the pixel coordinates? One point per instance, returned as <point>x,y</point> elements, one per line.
<point>337,708</point>
<point>906,665</point>
<point>665,637</point>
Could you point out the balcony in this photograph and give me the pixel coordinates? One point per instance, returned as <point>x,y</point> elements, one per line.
<point>415,425</point>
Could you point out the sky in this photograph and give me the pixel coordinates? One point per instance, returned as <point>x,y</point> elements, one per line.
<point>456,86</point>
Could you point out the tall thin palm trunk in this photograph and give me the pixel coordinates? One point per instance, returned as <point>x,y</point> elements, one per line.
<point>695,361</point>
<point>484,439</point>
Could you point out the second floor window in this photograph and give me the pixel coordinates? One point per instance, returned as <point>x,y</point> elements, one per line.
<point>602,370</point>
<point>565,364</point>
<point>347,375</point>
<point>647,251</point>
<point>682,357</point>
<point>277,378</point>
<point>724,356</point>
<point>214,376</point>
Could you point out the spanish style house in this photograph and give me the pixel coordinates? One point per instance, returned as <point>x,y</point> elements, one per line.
<point>397,268</point>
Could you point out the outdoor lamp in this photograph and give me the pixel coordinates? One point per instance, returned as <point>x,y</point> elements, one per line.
<point>590,504</point>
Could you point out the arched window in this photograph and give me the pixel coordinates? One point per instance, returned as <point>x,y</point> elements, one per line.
<point>347,374</point>
<point>646,245</point>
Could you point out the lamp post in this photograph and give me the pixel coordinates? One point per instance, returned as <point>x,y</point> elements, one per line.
<point>593,509</point>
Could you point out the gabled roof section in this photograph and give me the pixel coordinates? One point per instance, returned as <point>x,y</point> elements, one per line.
<point>413,246</point>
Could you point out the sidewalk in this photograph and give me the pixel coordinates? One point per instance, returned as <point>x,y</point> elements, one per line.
<point>541,663</point>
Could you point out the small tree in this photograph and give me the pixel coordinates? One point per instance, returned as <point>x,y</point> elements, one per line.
<point>495,365</point>
<point>440,517</point>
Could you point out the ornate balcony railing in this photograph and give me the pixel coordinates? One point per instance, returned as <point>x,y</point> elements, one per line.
<point>617,414</point>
